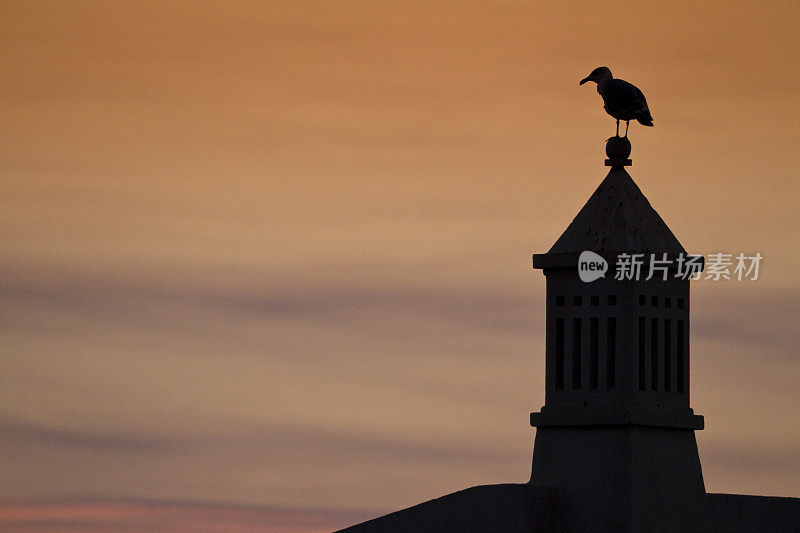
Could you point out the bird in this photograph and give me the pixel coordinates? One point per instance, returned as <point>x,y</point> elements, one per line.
<point>623,100</point>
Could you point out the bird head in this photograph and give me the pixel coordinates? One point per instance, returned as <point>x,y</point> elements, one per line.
<point>598,75</point>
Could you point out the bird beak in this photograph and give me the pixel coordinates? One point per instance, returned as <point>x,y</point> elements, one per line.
<point>584,80</point>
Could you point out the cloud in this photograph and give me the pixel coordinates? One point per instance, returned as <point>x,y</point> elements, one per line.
<point>169,305</point>
<point>22,433</point>
<point>100,515</point>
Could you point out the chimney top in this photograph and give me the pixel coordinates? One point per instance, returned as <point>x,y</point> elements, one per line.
<point>617,218</point>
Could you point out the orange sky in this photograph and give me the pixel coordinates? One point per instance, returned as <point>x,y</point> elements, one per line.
<point>278,253</point>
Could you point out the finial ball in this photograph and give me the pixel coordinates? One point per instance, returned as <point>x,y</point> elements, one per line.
<point>618,148</point>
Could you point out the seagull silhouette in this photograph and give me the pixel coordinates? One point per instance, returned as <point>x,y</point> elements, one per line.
<point>623,100</point>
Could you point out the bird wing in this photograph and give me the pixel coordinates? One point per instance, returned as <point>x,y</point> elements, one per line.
<point>625,97</point>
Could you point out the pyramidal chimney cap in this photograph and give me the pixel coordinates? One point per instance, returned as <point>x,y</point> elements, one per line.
<point>616,219</point>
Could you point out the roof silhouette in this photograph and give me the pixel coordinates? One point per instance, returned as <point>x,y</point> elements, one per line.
<point>504,507</point>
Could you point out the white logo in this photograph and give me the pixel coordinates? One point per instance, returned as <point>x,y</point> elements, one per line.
<point>591,266</point>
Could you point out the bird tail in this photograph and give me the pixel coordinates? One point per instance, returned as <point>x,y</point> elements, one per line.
<point>645,119</point>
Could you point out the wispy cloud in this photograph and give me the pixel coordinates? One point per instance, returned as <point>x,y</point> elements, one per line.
<point>106,515</point>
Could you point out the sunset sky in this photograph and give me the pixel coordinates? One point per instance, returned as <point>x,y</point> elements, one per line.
<point>275,256</point>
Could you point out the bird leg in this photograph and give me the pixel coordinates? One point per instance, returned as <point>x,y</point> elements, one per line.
<point>627,122</point>
<point>617,127</point>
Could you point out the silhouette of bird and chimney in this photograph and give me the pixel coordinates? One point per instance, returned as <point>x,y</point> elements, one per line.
<point>615,447</point>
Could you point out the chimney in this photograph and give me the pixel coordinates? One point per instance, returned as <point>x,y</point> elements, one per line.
<point>616,433</point>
